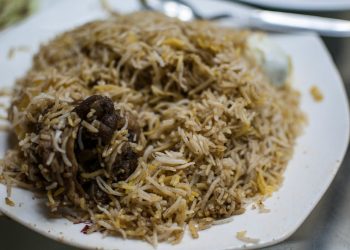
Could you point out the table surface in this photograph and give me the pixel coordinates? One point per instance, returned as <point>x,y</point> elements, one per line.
<point>327,227</point>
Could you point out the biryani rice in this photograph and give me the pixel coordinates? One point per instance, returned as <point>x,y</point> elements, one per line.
<point>200,123</point>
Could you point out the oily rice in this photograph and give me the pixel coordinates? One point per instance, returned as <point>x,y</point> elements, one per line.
<point>141,124</point>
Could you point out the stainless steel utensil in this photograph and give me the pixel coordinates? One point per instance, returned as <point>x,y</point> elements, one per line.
<point>256,18</point>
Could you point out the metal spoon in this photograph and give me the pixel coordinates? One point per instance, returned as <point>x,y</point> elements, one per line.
<point>179,9</point>
<point>256,18</point>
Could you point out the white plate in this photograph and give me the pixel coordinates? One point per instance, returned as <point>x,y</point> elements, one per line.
<point>303,5</point>
<point>317,157</point>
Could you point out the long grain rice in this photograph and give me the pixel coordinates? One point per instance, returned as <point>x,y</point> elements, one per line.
<point>215,135</point>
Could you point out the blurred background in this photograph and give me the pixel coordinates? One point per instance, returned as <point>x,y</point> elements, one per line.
<point>328,226</point>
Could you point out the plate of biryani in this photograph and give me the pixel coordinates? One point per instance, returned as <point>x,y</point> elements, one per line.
<point>134,130</point>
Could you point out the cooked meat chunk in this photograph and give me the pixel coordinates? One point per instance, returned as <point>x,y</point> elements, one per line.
<point>89,145</point>
<point>101,109</point>
<point>126,163</point>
